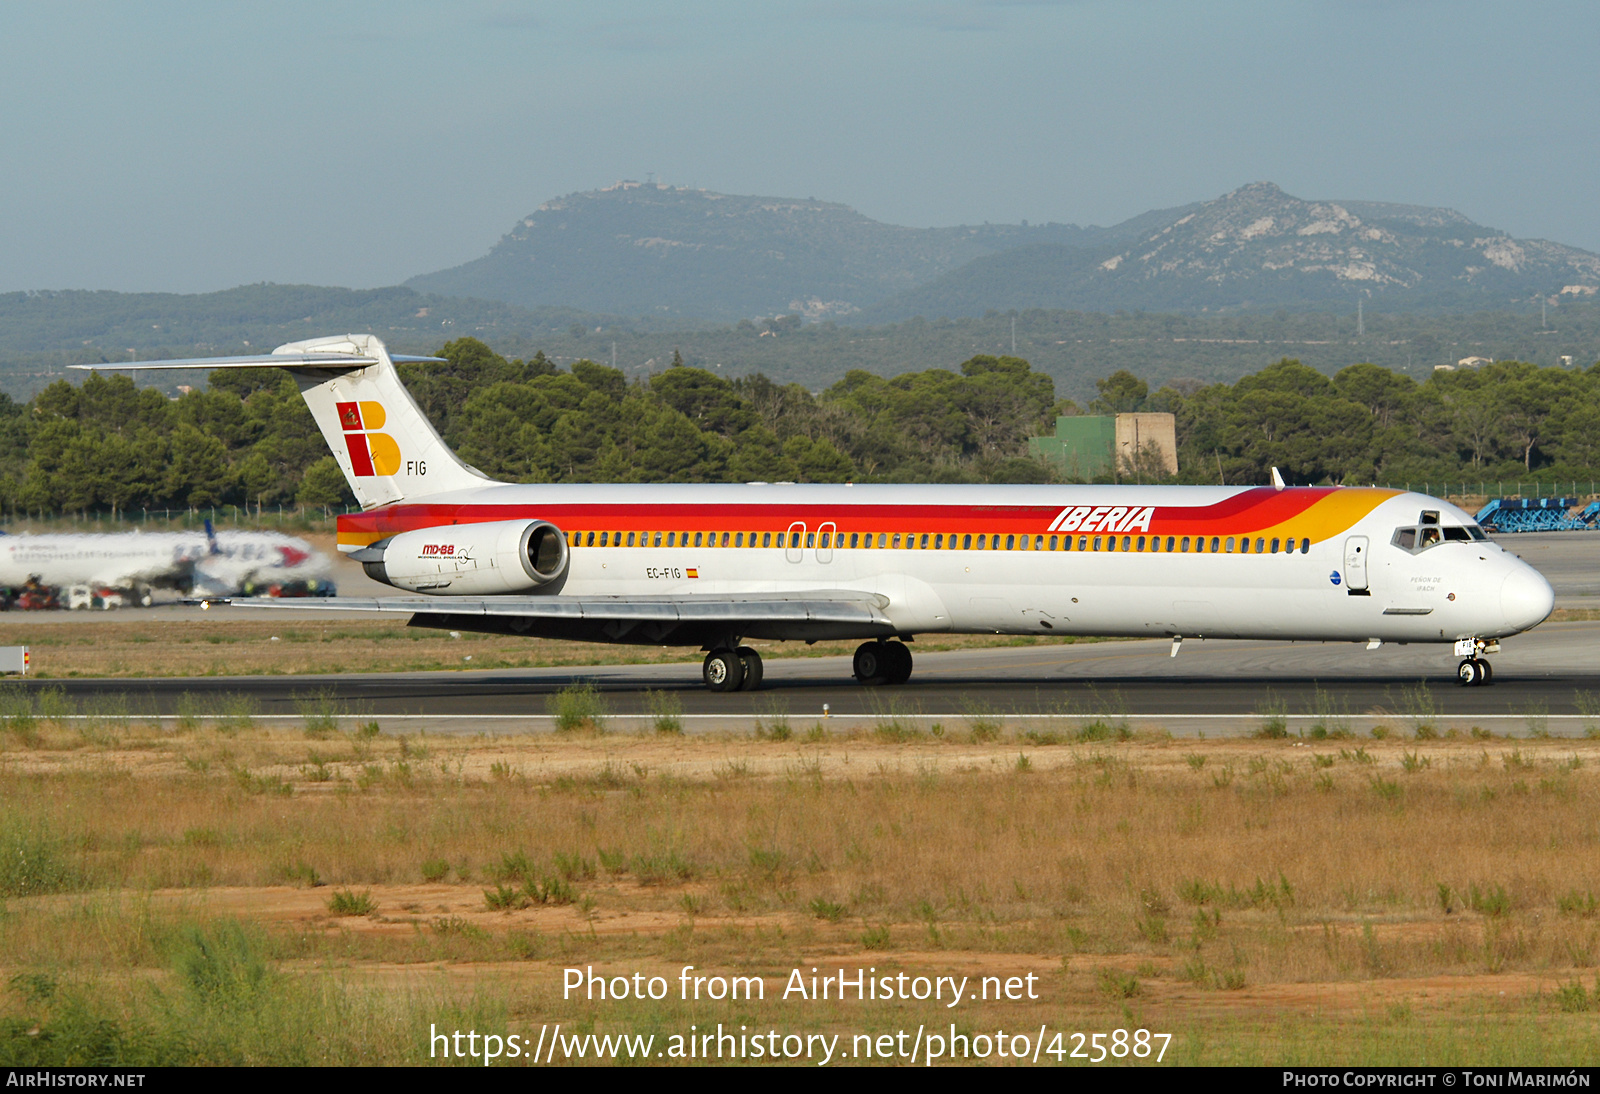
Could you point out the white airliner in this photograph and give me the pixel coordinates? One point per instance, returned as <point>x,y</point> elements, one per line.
<point>205,564</point>
<point>712,566</point>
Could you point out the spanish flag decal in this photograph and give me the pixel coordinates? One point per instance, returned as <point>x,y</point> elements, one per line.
<point>692,572</point>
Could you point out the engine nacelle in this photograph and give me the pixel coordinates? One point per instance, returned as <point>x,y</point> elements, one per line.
<point>503,556</point>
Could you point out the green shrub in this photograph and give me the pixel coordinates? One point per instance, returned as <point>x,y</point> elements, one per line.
<point>345,902</point>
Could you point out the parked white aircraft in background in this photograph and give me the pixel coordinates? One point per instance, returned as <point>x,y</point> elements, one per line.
<point>130,566</point>
<point>713,565</point>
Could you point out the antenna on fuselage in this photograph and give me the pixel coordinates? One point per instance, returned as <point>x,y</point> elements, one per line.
<point>1277,480</point>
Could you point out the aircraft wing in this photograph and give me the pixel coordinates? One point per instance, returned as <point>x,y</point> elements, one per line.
<point>665,620</point>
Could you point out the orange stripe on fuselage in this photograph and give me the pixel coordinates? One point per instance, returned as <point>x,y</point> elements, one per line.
<point>1319,513</point>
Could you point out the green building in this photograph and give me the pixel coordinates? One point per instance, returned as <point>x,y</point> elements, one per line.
<point>1082,445</point>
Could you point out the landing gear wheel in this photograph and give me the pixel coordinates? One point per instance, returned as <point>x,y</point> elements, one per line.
<point>751,660</point>
<point>1487,671</point>
<point>1470,672</point>
<point>899,658</point>
<point>871,664</point>
<point>723,670</point>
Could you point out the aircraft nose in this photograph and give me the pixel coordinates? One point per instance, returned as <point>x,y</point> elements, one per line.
<point>1526,598</point>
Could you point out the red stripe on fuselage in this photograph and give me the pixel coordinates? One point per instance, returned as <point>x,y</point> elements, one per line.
<point>1247,511</point>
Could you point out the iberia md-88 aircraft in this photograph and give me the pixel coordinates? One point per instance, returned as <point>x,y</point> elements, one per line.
<point>715,565</point>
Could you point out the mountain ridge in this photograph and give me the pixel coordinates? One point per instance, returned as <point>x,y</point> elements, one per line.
<point>650,249</point>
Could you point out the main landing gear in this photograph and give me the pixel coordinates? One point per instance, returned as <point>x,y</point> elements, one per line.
<point>883,663</point>
<point>732,670</point>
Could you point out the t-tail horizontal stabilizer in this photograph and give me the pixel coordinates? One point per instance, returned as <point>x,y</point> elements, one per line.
<point>380,438</point>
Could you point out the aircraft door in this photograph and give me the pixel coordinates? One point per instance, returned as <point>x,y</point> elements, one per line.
<point>793,541</point>
<point>827,534</point>
<point>1355,565</point>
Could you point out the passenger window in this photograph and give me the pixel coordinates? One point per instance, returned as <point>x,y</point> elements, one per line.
<point>966,543</point>
<point>1053,542</point>
<point>994,543</point>
<point>766,539</point>
<point>1185,545</point>
<point>1274,544</point>
<point>591,539</point>
<point>1170,540</point>
<point>738,539</point>
<point>924,541</point>
<point>855,539</point>
<point>658,539</point>
<point>697,539</point>
<point>1214,544</point>
<point>1288,547</point>
<point>1141,543</point>
<point>1199,544</point>
<point>1083,543</point>
<point>1022,543</point>
<point>1010,542</point>
<point>630,539</point>
<point>670,537</point>
<point>1305,545</point>
<point>1244,545</point>
<point>602,539</point>
<point>1260,545</point>
<point>724,539</point>
<point>883,539</point>
<point>1127,542</point>
<point>983,542</point>
<point>1097,542</point>
<point>1229,545</point>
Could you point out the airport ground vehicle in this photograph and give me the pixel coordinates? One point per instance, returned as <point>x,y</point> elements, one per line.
<point>715,565</point>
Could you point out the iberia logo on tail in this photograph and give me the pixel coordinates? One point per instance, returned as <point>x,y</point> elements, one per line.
<point>371,453</point>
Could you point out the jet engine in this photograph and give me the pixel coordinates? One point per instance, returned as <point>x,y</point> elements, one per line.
<point>503,556</point>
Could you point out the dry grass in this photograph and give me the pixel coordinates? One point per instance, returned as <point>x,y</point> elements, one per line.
<point>216,645</point>
<point>1264,901</point>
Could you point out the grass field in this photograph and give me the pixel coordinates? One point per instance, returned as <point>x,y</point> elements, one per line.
<point>217,892</point>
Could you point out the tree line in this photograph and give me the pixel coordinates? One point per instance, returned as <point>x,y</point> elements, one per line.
<point>247,438</point>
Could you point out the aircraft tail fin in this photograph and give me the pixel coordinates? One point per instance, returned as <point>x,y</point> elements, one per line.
<point>384,444</point>
<point>211,539</point>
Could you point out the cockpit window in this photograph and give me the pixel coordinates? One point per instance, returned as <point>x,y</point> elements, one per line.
<point>1430,535</point>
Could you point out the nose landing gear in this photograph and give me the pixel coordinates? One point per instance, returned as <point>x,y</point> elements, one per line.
<point>1474,670</point>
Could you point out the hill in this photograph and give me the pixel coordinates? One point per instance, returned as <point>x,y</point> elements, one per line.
<point>695,255</point>
<point>654,250</point>
<point>1258,248</point>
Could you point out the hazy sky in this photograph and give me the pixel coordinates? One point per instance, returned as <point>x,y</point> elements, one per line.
<point>195,146</point>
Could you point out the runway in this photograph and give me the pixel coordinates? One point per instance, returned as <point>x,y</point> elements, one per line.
<point>1219,688</point>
